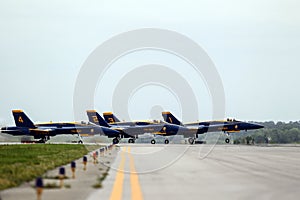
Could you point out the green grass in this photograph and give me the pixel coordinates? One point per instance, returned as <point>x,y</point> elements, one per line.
<point>20,163</point>
<point>100,179</point>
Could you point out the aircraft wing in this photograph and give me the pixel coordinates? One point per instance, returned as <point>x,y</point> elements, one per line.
<point>56,131</point>
<point>139,130</point>
<point>201,129</point>
<point>37,131</point>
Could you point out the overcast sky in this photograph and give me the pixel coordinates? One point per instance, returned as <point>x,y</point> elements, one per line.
<point>255,46</point>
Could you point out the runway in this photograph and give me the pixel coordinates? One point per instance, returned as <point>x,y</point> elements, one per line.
<point>145,171</point>
<point>203,171</point>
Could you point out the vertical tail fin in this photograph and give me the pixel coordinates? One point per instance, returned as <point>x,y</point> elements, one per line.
<point>168,117</point>
<point>21,119</point>
<point>95,118</point>
<point>110,117</point>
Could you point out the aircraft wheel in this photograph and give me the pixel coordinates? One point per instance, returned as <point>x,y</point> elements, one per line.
<point>80,142</point>
<point>166,141</point>
<point>191,140</point>
<point>227,140</point>
<point>131,140</point>
<point>153,141</point>
<point>115,141</point>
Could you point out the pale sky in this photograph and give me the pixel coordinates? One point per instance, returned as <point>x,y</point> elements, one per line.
<point>254,44</point>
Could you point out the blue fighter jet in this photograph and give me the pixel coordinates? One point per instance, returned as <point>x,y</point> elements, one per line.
<point>131,130</point>
<point>43,131</point>
<point>226,126</point>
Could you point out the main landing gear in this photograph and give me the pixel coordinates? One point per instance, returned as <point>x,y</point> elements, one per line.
<point>166,141</point>
<point>80,141</point>
<point>44,139</point>
<point>116,141</point>
<point>191,140</point>
<point>131,140</point>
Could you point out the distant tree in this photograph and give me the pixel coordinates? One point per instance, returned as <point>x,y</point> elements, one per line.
<point>280,132</point>
<point>260,139</point>
<point>293,135</point>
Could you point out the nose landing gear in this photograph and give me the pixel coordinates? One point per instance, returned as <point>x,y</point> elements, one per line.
<point>227,140</point>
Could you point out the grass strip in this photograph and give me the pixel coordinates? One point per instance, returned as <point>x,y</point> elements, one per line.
<point>21,163</point>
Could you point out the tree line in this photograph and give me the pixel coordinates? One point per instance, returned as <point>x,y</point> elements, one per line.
<point>273,133</point>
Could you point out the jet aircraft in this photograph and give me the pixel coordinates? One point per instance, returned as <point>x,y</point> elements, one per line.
<point>43,131</point>
<point>131,130</point>
<point>226,126</point>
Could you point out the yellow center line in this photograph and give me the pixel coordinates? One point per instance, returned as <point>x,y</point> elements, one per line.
<point>136,192</point>
<point>117,191</point>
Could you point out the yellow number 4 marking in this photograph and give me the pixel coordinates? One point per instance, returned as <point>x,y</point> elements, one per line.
<point>20,119</point>
<point>95,119</point>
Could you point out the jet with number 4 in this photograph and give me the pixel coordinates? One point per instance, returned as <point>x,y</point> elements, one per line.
<point>132,130</point>
<point>43,131</point>
<point>227,126</point>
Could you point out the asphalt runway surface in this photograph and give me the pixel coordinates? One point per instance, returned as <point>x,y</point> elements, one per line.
<point>203,172</point>
<point>145,171</point>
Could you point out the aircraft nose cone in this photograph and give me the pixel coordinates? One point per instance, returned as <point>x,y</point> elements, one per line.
<point>257,126</point>
<point>260,126</point>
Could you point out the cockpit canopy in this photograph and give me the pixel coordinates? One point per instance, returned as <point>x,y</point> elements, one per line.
<point>231,120</point>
